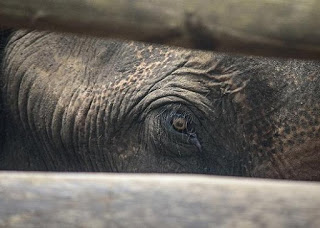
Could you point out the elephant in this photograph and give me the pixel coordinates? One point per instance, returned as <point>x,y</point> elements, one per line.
<point>86,104</point>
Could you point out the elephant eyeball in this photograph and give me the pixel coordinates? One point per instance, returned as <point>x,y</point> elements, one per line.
<point>179,124</point>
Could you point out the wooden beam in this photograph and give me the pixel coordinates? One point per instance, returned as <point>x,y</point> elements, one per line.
<point>119,200</point>
<point>264,27</point>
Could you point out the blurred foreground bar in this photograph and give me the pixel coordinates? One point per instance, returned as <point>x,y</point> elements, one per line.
<point>265,27</point>
<point>120,200</point>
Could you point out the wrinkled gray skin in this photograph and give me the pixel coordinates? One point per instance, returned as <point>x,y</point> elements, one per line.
<point>88,104</point>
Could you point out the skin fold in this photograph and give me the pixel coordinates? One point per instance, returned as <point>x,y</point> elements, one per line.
<point>74,103</point>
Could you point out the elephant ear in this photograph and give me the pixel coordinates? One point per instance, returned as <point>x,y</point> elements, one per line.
<point>4,36</point>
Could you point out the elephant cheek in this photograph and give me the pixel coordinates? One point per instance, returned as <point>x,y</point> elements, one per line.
<point>301,162</point>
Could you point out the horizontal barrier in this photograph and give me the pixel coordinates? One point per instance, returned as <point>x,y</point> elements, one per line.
<point>264,27</point>
<point>121,200</point>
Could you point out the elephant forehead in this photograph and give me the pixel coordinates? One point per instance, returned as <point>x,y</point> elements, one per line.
<point>133,63</point>
<point>120,64</point>
<point>99,55</point>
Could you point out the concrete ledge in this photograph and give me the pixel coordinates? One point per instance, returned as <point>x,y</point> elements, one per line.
<point>124,200</point>
<point>269,28</point>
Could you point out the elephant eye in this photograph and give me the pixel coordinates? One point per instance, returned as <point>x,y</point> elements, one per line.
<point>180,124</point>
<point>183,124</point>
